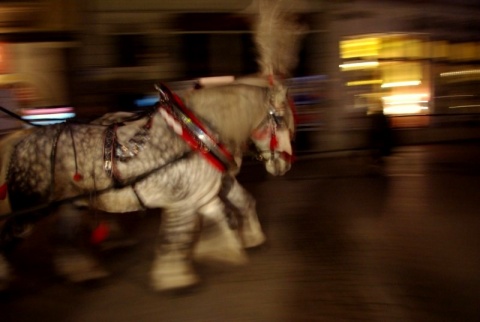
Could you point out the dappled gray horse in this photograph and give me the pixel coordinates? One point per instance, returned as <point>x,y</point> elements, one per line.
<point>173,158</point>
<point>217,241</point>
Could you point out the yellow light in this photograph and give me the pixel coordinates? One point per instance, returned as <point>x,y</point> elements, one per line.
<point>365,82</point>
<point>359,65</point>
<point>401,84</point>
<point>405,97</point>
<point>403,109</point>
<point>464,106</point>
<point>405,104</point>
<point>460,73</point>
<point>361,47</point>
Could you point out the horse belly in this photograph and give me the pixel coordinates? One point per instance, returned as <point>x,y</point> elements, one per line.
<point>118,201</point>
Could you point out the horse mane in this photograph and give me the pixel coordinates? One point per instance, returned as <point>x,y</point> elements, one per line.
<point>232,110</point>
<point>277,35</point>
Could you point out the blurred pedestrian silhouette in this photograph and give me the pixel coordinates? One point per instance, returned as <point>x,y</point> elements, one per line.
<point>380,136</point>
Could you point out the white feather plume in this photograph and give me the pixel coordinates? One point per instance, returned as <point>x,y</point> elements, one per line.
<point>277,36</point>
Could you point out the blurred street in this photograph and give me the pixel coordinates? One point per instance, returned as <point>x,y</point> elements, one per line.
<point>347,241</point>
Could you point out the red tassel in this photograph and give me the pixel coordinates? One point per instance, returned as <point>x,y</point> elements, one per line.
<point>3,191</point>
<point>100,233</point>
<point>273,142</point>
<point>77,177</point>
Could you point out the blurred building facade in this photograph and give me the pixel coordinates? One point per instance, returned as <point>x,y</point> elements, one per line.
<point>38,39</point>
<point>418,58</point>
<point>127,46</point>
<point>102,55</point>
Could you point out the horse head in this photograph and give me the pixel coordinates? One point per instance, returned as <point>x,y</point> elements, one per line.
<point>274,134</point>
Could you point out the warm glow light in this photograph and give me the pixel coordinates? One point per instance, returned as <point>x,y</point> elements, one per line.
<point>361,47</point>
<point>3,59</point>
<point>400,84</point>
<point>405,104</point>
<point>365,82</point>
<point>461,73</point>
<point>464,106</point>
<point>403,109</point>
<point>359,65</point>
<point>405,98</point>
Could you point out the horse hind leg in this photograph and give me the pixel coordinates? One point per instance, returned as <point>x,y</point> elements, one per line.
<point>172,267</point>
<point>11,234</point>
<point>218,242</point>
<point>5,273</point>
<point>72,258</point>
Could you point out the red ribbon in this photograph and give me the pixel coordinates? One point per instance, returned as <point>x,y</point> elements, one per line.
<point>77,177</point>
<point>3,191</point>
<point>100,233</point>
<point>273,142</point>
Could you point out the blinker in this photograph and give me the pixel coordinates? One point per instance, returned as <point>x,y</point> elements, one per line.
<point>278,118</point>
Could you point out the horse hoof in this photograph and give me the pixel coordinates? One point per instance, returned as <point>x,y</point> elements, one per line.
<point>226,256</point>
<point>4,274</point>
<point>174,282</point>
<point>224,248</point>
<point>251,240</point>
<point>167,276</point>
<point>77,267</point>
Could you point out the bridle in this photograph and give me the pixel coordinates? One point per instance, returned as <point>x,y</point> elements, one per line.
<point>274,120</point>
<point>198,136</point>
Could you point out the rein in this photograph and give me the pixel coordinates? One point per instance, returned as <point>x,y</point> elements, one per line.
<point>184,123</point>
<point>16,116</point>
<point>116,185</point>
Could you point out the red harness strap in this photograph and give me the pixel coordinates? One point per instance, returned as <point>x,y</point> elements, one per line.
<point>183,121</point>
<point>3,191</point>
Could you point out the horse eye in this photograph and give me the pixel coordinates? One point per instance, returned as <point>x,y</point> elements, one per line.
<point>279,120</point>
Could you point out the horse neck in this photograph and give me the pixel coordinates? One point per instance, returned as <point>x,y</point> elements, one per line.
<point>232,111</point>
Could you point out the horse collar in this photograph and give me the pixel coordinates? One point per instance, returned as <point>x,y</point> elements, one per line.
<point>193,131</point>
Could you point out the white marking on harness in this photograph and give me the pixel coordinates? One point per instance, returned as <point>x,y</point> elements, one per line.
<point>172,122</point>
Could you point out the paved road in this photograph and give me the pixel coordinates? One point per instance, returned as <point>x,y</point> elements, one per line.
<point>346,242</point>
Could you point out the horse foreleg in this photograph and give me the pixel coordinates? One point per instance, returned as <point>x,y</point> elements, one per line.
<point>218,242</point>
<point>250,229</point>
<point>172,267</point>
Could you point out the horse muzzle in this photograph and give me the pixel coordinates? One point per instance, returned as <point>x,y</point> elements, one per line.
<point>276,163</point>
